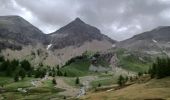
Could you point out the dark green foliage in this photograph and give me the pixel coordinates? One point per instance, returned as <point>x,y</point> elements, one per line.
<point>54,81</point>
<point>22,73</point>
<point>77,80</point>
<point>99,85</point>
<point>75,59</point>
<point>59,73</point>
<point>15,68</point>
<point>40,73</point>
<point>161,68</point>
<point>25,64</point>
<point>140,74</point>
<point>2,59</point>
<point>122,80</point>
<point>65,74</point>
<point>16,78</point>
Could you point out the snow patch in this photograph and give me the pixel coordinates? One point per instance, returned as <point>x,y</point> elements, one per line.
<point>49,46</point>
<point>154,41</point>
<point>114,45</point>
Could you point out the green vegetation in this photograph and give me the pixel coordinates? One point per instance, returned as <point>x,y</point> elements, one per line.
<point>77,68</point>
<point>133,62</point>
<point>122,80</point>
<point>15,68</point>
<point>161,68</point>
<point>44,91</point>
<point>107,81</point>
<point>77,81</point>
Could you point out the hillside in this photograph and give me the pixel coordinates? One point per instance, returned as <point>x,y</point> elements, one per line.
<point>76,33</point>
<point>19,39</point>
<point>16,31</point>
<point>156,89</point>
<point>155,41</point>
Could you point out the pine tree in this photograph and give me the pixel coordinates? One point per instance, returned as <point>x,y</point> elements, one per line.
<point>99,85</point>
<point>77,80</point>
<point>121,80</point>
<point>16,78</point>
<point>65,74</point>
<point>22,73</point>
<point>54,81</point>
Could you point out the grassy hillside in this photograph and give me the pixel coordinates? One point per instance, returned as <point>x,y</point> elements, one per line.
<point>77,68</point>
<point>133,61</point>
<point>156,89</point>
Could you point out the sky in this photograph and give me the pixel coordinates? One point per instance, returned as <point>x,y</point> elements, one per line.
<point>119,19</point>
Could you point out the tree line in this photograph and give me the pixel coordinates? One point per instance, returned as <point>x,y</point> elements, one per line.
<point>21,69</point>
<point>160,68</point>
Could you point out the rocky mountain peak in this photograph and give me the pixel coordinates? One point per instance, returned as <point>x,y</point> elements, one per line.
<point>15,28</point>
<point>77,32</point>
<point>78,20</point>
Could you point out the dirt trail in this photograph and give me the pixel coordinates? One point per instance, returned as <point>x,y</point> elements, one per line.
<point>69,90</point>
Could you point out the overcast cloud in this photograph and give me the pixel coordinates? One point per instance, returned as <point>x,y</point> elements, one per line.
<point>119,19</point>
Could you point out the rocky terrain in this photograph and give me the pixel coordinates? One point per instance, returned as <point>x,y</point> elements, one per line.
<point>76,33</point>
<point>15,30</point>
<point>153,42</point>
<point>20,39</point>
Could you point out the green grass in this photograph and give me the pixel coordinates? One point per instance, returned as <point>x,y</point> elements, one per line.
<point>5,80</point>
<point>45,92</point>
<point>20,84</point>
<point>103,82</point>
<point>70,81</point>
<point>78,68</point>
<point>132,62</point>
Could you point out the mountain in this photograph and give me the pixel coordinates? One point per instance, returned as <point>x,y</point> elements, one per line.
<point>153,42</point>
<point>16,32</point>
<point>77,33</point>
<point>19,39</point>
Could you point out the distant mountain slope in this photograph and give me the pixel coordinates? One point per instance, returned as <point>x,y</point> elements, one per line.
<point>77,33</point>
<point>14,30</point>
<point>156,40</point>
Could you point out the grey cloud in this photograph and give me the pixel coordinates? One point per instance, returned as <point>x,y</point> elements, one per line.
<point>119,19</point>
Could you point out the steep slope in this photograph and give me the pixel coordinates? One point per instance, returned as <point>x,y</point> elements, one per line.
<point>77,33</point>
<point>153,42</point>
<point>16,32</point>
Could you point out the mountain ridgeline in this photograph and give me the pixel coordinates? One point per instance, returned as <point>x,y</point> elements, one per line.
<point>152,42</point>
<point>14,30</point>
